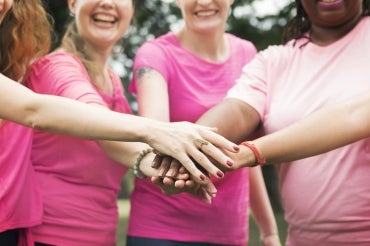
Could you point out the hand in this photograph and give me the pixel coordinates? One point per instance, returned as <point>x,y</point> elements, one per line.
<point>271,240</point>
<point>173,173</point>
<point>180,186</point>
<point>186,142</point>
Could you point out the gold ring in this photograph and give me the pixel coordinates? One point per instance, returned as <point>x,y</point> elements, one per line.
<point>202,142</point>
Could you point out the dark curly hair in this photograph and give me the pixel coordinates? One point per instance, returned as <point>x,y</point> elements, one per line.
<point>300,24</point>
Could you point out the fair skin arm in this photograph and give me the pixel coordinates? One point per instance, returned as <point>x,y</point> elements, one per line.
<point>324,130</point>
<point>237,122</point>
<point>78,119</point>
<point>154,103</point>
<point>153,98</point>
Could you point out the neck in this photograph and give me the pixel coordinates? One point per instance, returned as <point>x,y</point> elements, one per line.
<point>327,35</point>
<point>102,80</point>
<point>213,47</point>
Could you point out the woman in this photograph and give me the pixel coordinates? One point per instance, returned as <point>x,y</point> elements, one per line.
<point>177,77</point>
<point>323,61</point>
<point>20,199</point>
<point>79,69</point>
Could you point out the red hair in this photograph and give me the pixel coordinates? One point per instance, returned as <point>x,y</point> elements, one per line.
<point>25,34</point>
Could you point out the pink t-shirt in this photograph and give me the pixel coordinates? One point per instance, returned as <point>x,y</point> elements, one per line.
<point>20,198</point>
<point>79,182</point>
<point>194,85</point>
<point>327,197</point>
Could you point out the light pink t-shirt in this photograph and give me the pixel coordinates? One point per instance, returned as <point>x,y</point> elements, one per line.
<point>79,182</point>
<point>20,198</point>
<point>194,85</point>
<point>327,197</point>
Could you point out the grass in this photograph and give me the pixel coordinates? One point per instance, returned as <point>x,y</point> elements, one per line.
<point>124,206</point>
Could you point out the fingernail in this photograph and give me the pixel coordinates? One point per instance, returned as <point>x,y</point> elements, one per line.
<point>236,148</point>
<point>220,174</point>
<point>202,177</point>
<point>230,163</point>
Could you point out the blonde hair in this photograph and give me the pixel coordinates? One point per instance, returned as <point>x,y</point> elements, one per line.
<point>73,43</point>
<point>25,34</point>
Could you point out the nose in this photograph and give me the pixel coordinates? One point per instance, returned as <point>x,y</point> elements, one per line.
<point>204,2</point>
<point>106,3</point>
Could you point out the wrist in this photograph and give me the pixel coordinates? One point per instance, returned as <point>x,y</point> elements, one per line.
<point>267,239</point>
<point>255,156</point>
<point>136,168</point>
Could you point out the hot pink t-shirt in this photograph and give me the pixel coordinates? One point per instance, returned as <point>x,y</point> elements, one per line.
<point>327,197</point>
<point>20,198</point>
<point>194,85</point>
<point>79,182</point>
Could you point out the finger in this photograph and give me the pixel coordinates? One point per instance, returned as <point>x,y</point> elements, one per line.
<point>168,181</point>
<point>205,197</point>
<point>173,169</point>
<point>157,152</point>
<point>180,184</point>
<point>183,170</point>
<point>211,136</point>
<point>190,183</point>
<point>157,161</point>
<point>197,175</point>
<point>216,155</point>
<point>182,176</point>
<point>165,165</point>
<point>156,180</point>
<point>209,188</point>
<point>201,159</point>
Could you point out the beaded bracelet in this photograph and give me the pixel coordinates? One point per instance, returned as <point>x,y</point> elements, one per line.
<point>259,159</point>
<point>136,168</point>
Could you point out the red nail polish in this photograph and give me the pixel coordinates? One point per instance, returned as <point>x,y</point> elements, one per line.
<point>230,163</point>
<point>220,174</point>
<point>202,177</point>
<point>236,148</point>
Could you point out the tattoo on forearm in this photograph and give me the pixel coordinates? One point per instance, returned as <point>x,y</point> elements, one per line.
<point>141,72</point>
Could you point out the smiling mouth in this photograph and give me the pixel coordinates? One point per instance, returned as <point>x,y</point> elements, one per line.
<point>327,1</point>
<point>206,13</point>
<point>104,18</point>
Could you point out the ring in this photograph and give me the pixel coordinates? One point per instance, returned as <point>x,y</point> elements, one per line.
<point>202,142</point>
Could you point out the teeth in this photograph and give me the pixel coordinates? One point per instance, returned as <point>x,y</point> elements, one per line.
<point>103,17</point>
<point>328,1</point>
<point>206,13</point>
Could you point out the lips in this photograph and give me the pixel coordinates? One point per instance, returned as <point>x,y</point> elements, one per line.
<point>330,4</point>
<point>104,18</point>
<point>206,13</point>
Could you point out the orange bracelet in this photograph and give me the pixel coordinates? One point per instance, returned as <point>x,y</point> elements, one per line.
<point>257,154</point>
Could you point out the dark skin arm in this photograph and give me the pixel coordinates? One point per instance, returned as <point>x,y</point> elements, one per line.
<point>234,119</point>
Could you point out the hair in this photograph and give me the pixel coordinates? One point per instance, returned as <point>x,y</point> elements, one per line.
<point>73,43</point>
<point>25,36</point>
<point>300,24</point>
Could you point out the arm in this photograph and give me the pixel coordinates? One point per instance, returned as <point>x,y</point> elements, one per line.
<point>261,208</point>
<point>324,130</point>
<point>236,120</point>
<point>78,119</point>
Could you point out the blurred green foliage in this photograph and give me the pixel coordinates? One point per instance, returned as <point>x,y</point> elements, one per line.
<point>155,17</point>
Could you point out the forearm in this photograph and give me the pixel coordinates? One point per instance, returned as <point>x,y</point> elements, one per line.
<point>127,154</point>
<point>66,116</point>
<point>324,130</point>
<point>234,119</point>
<point>260,204</point>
